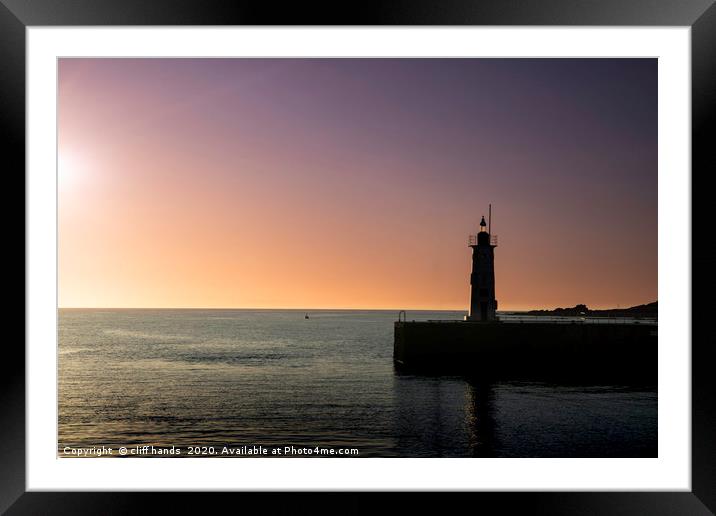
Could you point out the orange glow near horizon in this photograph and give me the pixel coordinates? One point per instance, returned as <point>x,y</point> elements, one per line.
<point>297,184</point>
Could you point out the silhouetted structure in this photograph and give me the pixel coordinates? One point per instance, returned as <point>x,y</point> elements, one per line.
<point>528,346</point>
<point>483,304</point>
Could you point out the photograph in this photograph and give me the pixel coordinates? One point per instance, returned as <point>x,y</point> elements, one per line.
<point>298,257</point>
<point>433,236</point>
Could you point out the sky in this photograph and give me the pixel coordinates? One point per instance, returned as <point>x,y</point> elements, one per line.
<point>354,183</point>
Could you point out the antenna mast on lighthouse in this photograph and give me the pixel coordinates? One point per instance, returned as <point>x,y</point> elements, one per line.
<point>489,219</point>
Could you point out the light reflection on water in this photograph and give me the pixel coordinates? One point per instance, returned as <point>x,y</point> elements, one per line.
<point>273,378</point>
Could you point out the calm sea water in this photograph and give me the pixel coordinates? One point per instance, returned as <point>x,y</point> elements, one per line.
<point>272,378</point>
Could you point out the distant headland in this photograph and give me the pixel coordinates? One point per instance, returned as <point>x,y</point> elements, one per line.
<point>649,310</point>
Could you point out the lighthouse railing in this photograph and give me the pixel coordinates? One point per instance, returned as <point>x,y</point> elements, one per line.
<point>472,240</point>
<point>566,319</point>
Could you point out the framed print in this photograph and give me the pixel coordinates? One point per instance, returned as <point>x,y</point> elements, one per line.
<point>262,254</point>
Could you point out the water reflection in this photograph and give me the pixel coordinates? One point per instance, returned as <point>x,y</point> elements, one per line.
<point>479,417</point>
<point>217,377</point>
<point>471,417</point>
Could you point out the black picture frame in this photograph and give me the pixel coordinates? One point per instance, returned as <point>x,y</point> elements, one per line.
<point>700,15</point>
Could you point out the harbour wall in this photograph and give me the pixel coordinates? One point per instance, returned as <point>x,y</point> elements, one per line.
<point>534,348</point>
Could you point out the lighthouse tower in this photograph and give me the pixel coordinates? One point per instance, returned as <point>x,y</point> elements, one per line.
<point>482,280</point>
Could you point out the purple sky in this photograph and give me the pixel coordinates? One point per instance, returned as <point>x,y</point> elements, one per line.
<point>354,182</point>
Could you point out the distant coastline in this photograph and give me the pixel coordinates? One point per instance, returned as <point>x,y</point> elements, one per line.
<point>649,310</point>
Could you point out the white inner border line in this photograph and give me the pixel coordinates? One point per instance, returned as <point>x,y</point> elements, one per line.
<point>670,471</point>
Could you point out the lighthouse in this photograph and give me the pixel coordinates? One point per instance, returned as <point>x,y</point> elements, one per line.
<point>483,304</point>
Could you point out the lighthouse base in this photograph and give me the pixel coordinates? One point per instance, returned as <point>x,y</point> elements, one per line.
<point>469,318</point>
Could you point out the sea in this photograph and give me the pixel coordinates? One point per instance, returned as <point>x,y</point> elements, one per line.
<point>201,382</point>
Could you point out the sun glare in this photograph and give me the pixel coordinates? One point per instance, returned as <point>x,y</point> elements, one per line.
<point>69,170</point>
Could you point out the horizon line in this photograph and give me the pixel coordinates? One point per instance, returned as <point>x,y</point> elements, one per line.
<point>323,308</point>
<point>247,308</point>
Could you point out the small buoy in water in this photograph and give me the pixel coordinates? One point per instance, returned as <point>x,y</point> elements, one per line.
<point>306,316</point>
